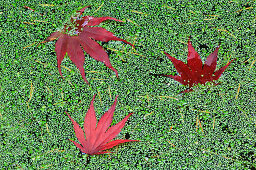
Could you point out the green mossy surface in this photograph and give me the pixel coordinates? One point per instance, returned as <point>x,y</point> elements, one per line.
<point>212,127</point>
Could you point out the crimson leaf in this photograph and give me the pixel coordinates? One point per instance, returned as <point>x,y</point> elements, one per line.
<point>194,72</point>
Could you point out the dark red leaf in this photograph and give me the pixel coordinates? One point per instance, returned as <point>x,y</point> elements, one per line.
<point>98,137</point>
<point>194,71</point>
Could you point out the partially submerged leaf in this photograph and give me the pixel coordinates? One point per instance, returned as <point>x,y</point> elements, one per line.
<point>194,72</point>
<point>83,39</point>
<point>98,138</point>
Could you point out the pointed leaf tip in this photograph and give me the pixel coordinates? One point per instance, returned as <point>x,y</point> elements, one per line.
<point>116,97</point>
<point>67,113</point>
<point>106,119</point>
<point>218,73</point>
<point>116,142</point>
<point>83,9</point>
<point>53,36</point>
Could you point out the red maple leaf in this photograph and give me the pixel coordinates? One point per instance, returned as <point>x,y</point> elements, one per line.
<point>84,37</point>
<point>98,137</point>
<point>194,72</point>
